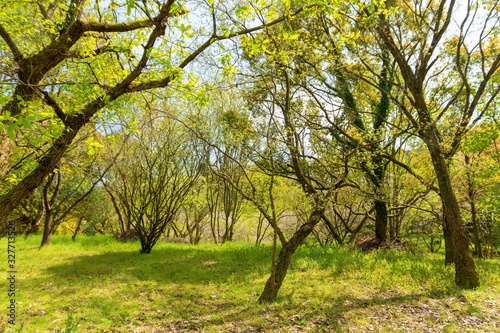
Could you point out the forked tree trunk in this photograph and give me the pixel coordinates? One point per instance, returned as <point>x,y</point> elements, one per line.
<point>48,205</point>
<point>146,240</point>
<point>145,248</point>
<point>466,275</point>
<point>333,232</point>
<point>281,265</point>
<point>259,232</point>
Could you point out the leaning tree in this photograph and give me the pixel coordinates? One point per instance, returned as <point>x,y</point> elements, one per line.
<point>65,64</point>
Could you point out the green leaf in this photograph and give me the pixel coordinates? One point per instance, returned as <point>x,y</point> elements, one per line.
<point>11,129</point>
<point>130,6</point>
<point>185,28</point>
<point>25,122</point>
<point>243,11</point>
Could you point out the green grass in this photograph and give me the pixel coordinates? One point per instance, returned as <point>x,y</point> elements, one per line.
<point>97,284</point>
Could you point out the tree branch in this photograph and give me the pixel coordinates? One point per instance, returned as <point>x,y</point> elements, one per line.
<point>214,38</point>
<point>424,68</point>
<point>116,27</point>
<point>410,171</point>
<point>52,103</point>
<point>18,56</point>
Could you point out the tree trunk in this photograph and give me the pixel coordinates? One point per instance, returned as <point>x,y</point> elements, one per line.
<point>49,206</point>
<point>77,229</point>
<point>377,177</point>
<point>225,236</point>
<point>117,210</point>
<point>231,227</point>
<point>260,223</point>
<point>381,221</point>
<point>212,228</point>
<point>145,248</point>
<point>395,214</point>
<point>449,258</point>
<point>47,229</point>
<point>331,229</point>
<point>466,275</point>
<point>281,265</point>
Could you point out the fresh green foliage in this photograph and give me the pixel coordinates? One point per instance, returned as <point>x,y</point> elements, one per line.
<point>98,284</point>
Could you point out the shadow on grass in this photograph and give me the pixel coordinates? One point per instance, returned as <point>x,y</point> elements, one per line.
<point>232,265</point>
<point>167,264</point>
<point>171,264</point>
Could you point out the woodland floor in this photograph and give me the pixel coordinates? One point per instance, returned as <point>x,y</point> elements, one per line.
<point>97,284</point>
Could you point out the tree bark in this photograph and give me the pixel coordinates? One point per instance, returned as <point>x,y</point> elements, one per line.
<point>475,230</point>
<point>5,153</point>
<point>377,177</point>
<point>145,248</point>
<point>449,258</point>
<point>275,281</point>
<point>380,221</point>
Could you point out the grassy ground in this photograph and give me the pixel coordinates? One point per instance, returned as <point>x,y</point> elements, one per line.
<point>99,285</point>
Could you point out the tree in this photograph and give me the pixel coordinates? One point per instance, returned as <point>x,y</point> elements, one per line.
<point>48,204</point>
<point>71,185</point>
<point>294,149</point>
<point>272,155</point>
<point>450,84</point>
<point>346,217</point>
<point>153,179</point>
<point>318,190</point>
<point>353,98</point>
<point>228,127</point>
<point>362,124</point>
<point>94,214</point>
<point>85,58</point>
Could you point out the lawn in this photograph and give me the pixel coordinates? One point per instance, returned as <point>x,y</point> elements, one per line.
<point>97,284</point>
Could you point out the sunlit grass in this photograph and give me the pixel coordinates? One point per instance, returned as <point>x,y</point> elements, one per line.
<point>106,286</point>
